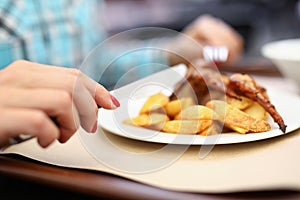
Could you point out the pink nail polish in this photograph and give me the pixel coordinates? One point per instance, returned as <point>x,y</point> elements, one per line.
<point>115,101</point>
<point>95,127</point>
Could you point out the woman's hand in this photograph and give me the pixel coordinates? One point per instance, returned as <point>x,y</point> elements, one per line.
<point>207,30</point>
<point>48,102</point>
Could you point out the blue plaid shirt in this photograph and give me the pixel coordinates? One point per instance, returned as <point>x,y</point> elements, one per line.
<point>70,33</point>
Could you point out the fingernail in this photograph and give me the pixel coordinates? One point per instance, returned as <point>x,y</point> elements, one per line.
<point>115,101</point>
<point>95,127</point>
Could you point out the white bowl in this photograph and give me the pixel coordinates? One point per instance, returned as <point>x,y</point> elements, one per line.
<point>285,54</point>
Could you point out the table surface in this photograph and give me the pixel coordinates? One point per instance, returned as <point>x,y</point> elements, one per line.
<point>22,177</point>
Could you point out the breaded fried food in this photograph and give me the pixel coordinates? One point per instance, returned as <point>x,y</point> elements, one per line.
<point>236,119</point>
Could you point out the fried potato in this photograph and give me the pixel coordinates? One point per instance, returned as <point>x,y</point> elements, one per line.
<point>241,104</point>
<point>186,126</point>
<point>213,129</point>
<point>154,102</point>
<point>182,116</point>
<point>140,120</point>
<point>196,112</point>
<point>256,111</point>
<point>158,121</point>
<point>236,119</point>
<point>175,106</point>
<point>155,121</point>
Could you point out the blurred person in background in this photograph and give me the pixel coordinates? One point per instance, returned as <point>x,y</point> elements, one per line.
<point>62,34</point>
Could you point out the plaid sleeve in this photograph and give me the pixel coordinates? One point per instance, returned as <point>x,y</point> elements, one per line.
<point>12,43</point>
<point>64,33</point>
<point>50,32</point>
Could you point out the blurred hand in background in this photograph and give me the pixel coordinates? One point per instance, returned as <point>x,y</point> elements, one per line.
<point>207,30</point>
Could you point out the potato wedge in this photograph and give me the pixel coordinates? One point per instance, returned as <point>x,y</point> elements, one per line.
<point>158,121</point>
<point>241,104</point>
<point>196,112</point>
<point>154,102</point>
<point>213,129</point>
<point>175,106</point>
<point>155,121</point>
<point>238,120</point>
<point>140,120</point>
<point>186,126</point>
<point>256,111</point>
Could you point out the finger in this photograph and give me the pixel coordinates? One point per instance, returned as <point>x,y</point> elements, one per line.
<point>86,107</point>
<point>61,78</point>
<point>105,99</point>
<point>65,132</point>
<point>102,96</point>
<point>57,104</point>
<point>30,122</point>
<point>87,94</point>
<point>67,79</point>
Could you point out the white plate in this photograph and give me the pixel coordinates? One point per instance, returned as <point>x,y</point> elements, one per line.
<point>133,96</point>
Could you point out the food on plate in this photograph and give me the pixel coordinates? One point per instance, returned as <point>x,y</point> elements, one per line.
<point>154,102</point>
<point>243,84</point>
<point>212,118</point>
<point>209,103</point>
<point>174,107</point>
<point>213,129</point>
<point>155,121</point>
<point>211,84</point>
<point>186,126</point>
<point>241,103</point>
<point>256,111</point>
<point>196,112</point>
<point>237,120</point>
